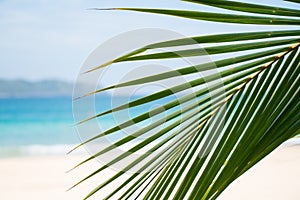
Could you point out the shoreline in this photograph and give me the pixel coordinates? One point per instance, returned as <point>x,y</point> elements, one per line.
<point>44,177</point>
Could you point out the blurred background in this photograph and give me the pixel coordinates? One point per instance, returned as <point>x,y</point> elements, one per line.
<point>42,47</point>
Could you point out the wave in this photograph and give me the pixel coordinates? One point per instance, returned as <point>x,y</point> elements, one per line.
<point>38,150</point>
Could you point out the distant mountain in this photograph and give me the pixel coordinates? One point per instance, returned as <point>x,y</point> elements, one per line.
<point>52,88</point>
<point>45,88</point>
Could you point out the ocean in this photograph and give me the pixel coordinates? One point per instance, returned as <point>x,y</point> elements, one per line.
<point>36,126</point>
<point>45,126</point>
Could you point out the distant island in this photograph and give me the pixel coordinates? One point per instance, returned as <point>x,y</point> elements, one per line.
<point>44,88</point>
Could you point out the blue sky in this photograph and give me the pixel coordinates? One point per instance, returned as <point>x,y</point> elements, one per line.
<point>50,39</point>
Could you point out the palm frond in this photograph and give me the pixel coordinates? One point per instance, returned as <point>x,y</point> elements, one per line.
<point>293,1</point>
<point>219,17</point>
<point>222,129</point>
<point>250,8</point>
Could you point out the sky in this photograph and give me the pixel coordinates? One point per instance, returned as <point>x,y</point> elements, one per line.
<point>50,39</point>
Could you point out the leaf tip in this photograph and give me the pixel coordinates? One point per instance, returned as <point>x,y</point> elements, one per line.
<point>103,9</point>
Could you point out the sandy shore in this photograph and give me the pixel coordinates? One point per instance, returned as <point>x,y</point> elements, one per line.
<point>277,177</point>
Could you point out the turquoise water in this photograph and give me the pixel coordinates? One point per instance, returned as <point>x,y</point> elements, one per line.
<point>43,121</point>
<point>46,125</point>
<point>36,126</point>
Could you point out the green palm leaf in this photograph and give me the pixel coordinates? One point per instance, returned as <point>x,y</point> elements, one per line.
<point>250,8</point>
<point>219,17</point>
<point>222,130</point>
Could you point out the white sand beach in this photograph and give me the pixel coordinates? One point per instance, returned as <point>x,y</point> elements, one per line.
<point>275,178</point>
